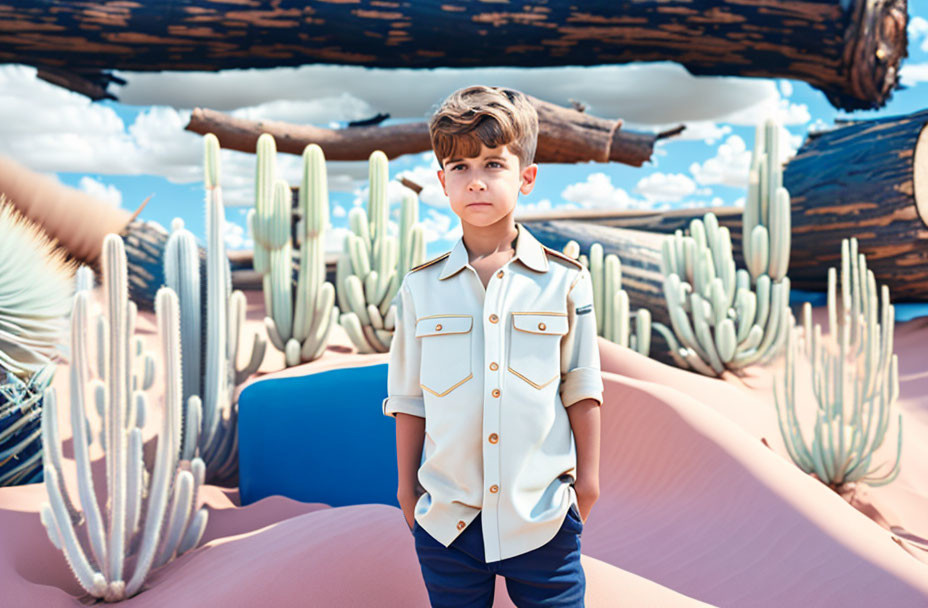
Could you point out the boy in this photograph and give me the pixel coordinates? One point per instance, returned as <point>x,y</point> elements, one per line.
<point>494,370</point>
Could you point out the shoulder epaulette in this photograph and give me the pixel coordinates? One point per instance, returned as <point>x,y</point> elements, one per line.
<point>563,256</point>
<point>430,262</point>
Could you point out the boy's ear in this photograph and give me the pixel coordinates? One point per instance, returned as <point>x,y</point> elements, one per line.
<point>529,175</point>
<point>441,178</point>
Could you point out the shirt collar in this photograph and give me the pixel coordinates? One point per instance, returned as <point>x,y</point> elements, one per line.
<point>528,251</point>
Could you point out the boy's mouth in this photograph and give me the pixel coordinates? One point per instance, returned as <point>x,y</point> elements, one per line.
<point>473,204</point>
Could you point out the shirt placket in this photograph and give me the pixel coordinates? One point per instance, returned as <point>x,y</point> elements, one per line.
<point>494,336</point>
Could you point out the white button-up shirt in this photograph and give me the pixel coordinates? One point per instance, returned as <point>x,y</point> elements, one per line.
<point>492,371</point>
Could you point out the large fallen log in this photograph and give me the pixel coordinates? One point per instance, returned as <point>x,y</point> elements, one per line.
<point>564,136</point>
<point>848,49</point>
<point>868,180</point>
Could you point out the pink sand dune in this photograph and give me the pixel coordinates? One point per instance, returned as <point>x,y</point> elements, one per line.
<point>694,509</point>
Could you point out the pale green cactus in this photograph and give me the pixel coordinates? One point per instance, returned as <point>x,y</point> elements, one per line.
<point>610,301</point>
<point>210,376</point>
<point>372,265</point>
<point>723,318</point>
<point>299,329</point>
<point>855,377</point>
<point>116,532</point>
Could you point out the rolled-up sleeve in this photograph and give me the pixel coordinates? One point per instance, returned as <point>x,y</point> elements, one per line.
<point>581,376</point>
<point>403,391</point>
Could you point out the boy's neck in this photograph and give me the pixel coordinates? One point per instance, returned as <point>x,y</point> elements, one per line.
<point>485,241</point>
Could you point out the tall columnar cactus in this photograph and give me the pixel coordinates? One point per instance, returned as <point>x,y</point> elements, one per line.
<point>855,378</point>
<point>116,532</point>
<point>299,329</point>
<point>372,264</point>
<point>210,421</point>
<point>610,301</point>
<point>726,319</point>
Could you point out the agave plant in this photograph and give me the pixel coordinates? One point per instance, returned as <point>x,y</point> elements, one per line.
<point>118,532</point>
<point>855,379</point>
<point>36,285</point>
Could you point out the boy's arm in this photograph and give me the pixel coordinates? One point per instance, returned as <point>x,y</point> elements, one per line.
<point>582,388</point>
<point>404,396</point>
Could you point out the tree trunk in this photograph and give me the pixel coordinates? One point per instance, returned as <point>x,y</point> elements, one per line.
<point>564,136</point>
<point>867,180</point>
<point>848,49</point>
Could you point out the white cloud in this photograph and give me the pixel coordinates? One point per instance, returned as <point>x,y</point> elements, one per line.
<point>918,31</point>
<point>235,237</point>
<point>638,93</point>
<point>105,192</point>
<point>728,167</point>
<point>436,225</point>
<point>338,211</point>
<point>786,88</point>
<point>427,177</point>
<point>666,187</point>
<point>912,74</point>
<point>598,192</point>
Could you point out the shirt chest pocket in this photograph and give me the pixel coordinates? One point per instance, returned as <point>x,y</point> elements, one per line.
<point>446,352</point>
<point>535,346</point>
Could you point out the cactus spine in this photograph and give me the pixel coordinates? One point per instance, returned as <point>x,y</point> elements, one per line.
<point>857,351</point>
<point>111,542</point>
<point>373,263</point>
<point>725,319</point>
<point>610,301</point>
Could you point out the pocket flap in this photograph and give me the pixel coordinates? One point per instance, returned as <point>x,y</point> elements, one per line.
<point>440,325</point>
<point>551,323</point>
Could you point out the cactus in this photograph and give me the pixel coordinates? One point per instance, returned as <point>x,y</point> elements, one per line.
<point>121,534</point>
<point>725,319</point>
<point>210,374</point>
<point>372,264</point>
<point>858,350</point>
<point>299,329</point>
<point>613,318</point>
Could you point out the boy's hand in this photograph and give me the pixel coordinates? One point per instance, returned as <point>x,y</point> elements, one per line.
<point>408,500</point>
<point>587,490</point>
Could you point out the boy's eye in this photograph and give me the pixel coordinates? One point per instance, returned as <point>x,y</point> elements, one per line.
<point>493,162</point>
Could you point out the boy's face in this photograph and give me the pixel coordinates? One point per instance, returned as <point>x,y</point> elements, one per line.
<point>483,190</point>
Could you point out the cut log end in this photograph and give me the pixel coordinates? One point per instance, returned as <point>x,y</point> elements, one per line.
<point>920,174</point>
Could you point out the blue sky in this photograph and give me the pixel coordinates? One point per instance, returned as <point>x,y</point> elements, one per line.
<point>125,151</point>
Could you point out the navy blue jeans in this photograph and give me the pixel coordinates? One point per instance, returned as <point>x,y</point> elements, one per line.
<point>548,576</point>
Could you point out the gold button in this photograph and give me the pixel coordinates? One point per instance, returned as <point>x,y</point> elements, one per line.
<point>494,366</point>
<point>461,525</point>
<point>438,327</point>
<point>494,488</point>
<point>494,437</point>
<point>493,318</point>
<point>496,392</point>
<point>541,326</point>
<point>499,274</point>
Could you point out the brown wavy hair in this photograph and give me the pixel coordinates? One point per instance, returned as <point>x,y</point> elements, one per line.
<point>494,116</point>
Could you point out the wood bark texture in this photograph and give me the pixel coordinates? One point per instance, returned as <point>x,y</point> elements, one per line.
<point>848,49</point>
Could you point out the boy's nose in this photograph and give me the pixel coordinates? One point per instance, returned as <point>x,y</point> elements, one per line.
<point>477,184</point>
